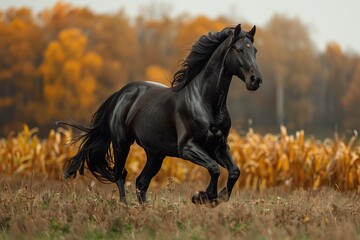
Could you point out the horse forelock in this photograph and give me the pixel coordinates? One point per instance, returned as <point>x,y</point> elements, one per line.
<point>247,35</point>
<point>242,35</point>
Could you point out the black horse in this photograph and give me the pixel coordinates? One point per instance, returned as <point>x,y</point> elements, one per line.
<point>189,120</point>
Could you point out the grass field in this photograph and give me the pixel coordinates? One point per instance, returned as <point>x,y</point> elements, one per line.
<point>269,200</point>
<point>86,209</point>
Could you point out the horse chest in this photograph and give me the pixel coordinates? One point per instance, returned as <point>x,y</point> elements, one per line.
<point>216,128</point>
<point>215,136</point>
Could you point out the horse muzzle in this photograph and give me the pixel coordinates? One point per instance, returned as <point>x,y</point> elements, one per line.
<point>253,82</point>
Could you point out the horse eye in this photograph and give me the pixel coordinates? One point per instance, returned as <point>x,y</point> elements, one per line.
<point>239,49</point>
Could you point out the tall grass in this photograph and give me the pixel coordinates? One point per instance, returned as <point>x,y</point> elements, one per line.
<point>291,161</point>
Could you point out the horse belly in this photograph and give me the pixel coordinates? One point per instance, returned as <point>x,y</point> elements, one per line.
<point>153,127</point>
<point>156,137</point>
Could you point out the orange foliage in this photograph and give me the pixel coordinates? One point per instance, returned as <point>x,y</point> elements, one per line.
<point>65,60</point>
<point>190,31</point>
<point>158,74</point>
<point>69,75</point>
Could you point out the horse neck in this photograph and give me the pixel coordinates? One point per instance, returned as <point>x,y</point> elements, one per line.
<point>213,82</point>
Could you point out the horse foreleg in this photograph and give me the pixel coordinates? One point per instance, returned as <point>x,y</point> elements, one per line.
<point>224,158</point>
<point>194,153</point>
<point>151,168</point>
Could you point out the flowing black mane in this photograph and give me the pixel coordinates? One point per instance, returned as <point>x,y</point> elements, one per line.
<point>199,55</point>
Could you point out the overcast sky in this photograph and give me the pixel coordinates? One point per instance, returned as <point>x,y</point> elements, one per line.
<point>328,20</point>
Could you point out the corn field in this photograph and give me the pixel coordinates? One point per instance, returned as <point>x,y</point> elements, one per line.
<point>289,161</point>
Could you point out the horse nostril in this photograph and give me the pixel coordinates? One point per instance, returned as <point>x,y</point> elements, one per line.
<point>253,79</point>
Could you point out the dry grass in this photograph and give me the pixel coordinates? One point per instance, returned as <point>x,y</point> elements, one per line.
<point>48,209</point>
<point>267,203</point>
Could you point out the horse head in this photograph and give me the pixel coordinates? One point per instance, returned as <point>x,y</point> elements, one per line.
<point>241,58</point>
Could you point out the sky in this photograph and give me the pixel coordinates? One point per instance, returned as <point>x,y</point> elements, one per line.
<point>327,20</point>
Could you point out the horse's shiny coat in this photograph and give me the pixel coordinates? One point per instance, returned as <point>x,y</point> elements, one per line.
<point>189,120</point>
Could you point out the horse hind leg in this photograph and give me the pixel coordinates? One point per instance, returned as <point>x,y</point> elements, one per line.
<point>120,173</point>
<point>151,168</point>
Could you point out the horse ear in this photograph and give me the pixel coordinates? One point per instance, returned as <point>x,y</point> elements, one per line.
<point>253,31</point>
<point>237,30</point>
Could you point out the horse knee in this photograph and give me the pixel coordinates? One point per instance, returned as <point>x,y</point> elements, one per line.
<point>214,169</point>
<point>234,173</point>
<point>196,155</point>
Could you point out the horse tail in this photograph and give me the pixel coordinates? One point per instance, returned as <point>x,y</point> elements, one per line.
<point>94,147</point>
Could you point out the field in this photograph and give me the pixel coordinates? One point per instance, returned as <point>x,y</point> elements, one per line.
<point>291,187</point>
<point>85,209</point>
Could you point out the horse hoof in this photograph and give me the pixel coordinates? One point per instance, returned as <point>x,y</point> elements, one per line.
<point>200,198</point>
<point>213,203</point>
<point>195,198</point>
<point>223,196</point>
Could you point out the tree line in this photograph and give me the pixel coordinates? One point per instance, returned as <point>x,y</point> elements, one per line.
<point>61,63</point>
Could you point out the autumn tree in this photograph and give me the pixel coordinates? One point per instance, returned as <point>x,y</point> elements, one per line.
<point>109,35</point>
<point>351,101</point>
<point>156,41</point>
<point>56,19</point>
<point>190,30</point>
<point>289,56</point>
<point>62,63</point>
<point>69,73</point>
<point>158,74</point>
<point>115,40</point>
<point>21,45</point>
<point>338,70</point>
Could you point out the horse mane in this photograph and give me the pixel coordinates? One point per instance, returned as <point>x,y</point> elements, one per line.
<point>199,55</point>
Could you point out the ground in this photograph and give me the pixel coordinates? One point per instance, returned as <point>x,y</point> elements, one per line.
<point>86,209</point>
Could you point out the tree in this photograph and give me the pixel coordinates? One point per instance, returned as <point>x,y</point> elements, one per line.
<point>351,101</point>
<point>21,44</point>
<point>55,19</point>
<point>69,74</point>
<point>156,41</point>
<point>190,31</point>
<point>290,54</point>
<point>110,36</point>
<point>338,72</point>
<point>158,74</point>
<point>115,40</point>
